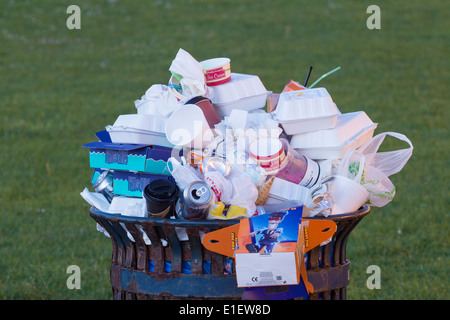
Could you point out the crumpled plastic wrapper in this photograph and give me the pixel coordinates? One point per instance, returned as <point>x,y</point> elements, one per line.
<point>157,101</point>
<point>133,207</point>
<point>192,78</point>
<point>238,130</point>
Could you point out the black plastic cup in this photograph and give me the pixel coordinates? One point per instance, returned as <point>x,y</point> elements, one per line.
<point>161,196</point>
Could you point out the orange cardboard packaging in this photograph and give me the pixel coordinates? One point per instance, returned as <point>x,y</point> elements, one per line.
<point>270,249</point>
<point>260,263</point>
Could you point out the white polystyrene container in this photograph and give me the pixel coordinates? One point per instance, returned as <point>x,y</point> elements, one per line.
<point>139,129</point>
<point>286,190</point>
<point>243,91</point>
<point>352,130</point>
<point>141,122</point>
<point>306,110</point>
<point>130,136</point>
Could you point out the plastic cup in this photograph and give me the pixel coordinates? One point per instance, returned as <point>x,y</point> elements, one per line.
<point>348,196</point>
<point>188,127</point>
<point>268,153</point>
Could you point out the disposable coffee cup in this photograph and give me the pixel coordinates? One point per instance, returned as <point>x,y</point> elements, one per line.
<point>208,110</point>
<point>348,196</point>
<point>188,127</point>
<point>160,196</point>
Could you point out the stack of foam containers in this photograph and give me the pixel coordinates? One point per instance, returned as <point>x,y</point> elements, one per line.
<point>318,129</point>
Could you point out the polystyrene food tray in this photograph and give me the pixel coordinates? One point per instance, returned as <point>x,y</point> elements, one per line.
<point>141,122</point>
<point>247,104</point>
<point>351,131</point>
<point>130,136</point>
<point>243,91</point>
<point>306,110</point>
<point>282,191</point>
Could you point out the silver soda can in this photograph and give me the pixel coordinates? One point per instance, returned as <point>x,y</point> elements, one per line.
<point>103,185</point>
<point>194,202</point>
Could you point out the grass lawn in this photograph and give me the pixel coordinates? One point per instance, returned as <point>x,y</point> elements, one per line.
<point>59,86</point>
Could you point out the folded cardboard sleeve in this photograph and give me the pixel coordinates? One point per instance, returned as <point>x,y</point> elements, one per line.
<point>270,249</point>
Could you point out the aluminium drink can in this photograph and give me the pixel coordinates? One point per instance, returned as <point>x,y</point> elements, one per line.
<point>194,202</point>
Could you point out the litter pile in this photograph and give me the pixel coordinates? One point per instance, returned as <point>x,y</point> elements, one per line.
<point>213,144</point>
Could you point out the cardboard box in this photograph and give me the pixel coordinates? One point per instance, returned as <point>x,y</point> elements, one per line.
<point>270,249</point>
<point>132,184</point>
<point>130,157</point>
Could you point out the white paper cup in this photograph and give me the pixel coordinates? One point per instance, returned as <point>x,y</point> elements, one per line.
<point>188,127</point>
<point>216,71</point>
<point>348,196</point>
<point>268,153</point>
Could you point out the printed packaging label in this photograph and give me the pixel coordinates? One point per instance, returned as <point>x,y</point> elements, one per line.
<point>312,174</point>
<point>270,249</point>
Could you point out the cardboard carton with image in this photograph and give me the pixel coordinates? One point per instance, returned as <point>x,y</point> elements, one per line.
<point>270,249</point>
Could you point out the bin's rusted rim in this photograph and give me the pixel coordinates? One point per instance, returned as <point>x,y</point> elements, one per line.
<point>361,212</point>
<point>161,222</point>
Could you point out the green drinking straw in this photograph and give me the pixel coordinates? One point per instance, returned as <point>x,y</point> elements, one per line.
<point>323,76</point>
<point>176,76</point>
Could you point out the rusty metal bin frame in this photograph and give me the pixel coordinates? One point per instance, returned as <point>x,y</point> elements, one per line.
<point>327,266</point>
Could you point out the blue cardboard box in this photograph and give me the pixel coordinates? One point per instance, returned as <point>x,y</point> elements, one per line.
<point>131,157</point>
<point>132,184</point>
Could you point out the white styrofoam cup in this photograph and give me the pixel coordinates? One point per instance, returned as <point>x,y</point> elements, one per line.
<point>188,127</point>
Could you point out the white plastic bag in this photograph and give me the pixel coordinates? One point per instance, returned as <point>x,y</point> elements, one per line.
<point>342,191</point>
<point>183,174</point>
<point>380,165</point>
<point>351,166</point>
<point>221,187</point>
<point>245,192</point>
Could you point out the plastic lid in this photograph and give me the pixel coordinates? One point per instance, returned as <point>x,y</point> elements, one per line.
<point>161,188</point>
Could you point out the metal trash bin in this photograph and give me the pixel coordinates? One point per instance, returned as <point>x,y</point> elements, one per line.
<point>156,270</point>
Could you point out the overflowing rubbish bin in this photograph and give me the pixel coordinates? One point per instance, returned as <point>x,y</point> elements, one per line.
<point>217,188</point>
<point>141,270</point>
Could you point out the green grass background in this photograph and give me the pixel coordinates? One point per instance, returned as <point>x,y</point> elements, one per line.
<point>59,86</point>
